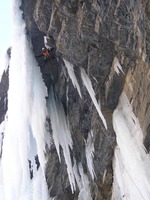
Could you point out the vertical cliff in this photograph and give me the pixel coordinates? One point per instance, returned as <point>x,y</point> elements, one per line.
<point>105,45</point>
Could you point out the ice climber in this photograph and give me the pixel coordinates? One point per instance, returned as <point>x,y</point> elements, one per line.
<point>51,53</point>
<point>47,54</point>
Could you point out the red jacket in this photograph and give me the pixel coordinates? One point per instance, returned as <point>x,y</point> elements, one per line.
<point>46,53</point>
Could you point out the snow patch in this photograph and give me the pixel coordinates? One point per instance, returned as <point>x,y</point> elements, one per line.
<point>132,163</point>
<point>46,42</point>
<point>87,82</point>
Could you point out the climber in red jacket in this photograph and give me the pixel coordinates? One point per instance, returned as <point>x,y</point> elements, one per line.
<point>47,54</point>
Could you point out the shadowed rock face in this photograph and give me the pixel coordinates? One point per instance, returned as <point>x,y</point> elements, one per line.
<point>91,34</point>
<point>3,96</point>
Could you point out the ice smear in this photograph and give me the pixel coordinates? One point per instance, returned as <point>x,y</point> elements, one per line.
<point>26,115</point>
<point>61,133</point>
<point>77,175</point>
<point>85,193</point>
<point>88,85</point>
<point>82,182</point>
<point>40,190</point>
<point>1,182</point>
<point>1,142</point>
<point>119,189</point>
<point>132,163</point>
<point>89,150</point>
<point>72,75</point>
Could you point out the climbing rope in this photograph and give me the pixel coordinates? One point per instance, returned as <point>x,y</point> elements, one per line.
<point>131,177</point>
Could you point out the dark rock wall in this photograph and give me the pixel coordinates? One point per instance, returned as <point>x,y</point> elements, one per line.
<point>3,96</point>
<point>90,34</point>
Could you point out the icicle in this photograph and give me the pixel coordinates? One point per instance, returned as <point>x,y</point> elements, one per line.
<point>72,76</point>
<point>82,182</point>
<point>89,150</point>
<point>117,66</point>
<point>134,174</point>
<point>88,85</point>
<point>85,193</point>
<point>77,175</point>
<point>61,133</point>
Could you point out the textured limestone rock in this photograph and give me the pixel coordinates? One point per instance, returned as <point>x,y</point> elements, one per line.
<point>137,88</point>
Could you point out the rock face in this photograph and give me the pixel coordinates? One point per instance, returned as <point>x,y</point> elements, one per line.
<point>97,35</point>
